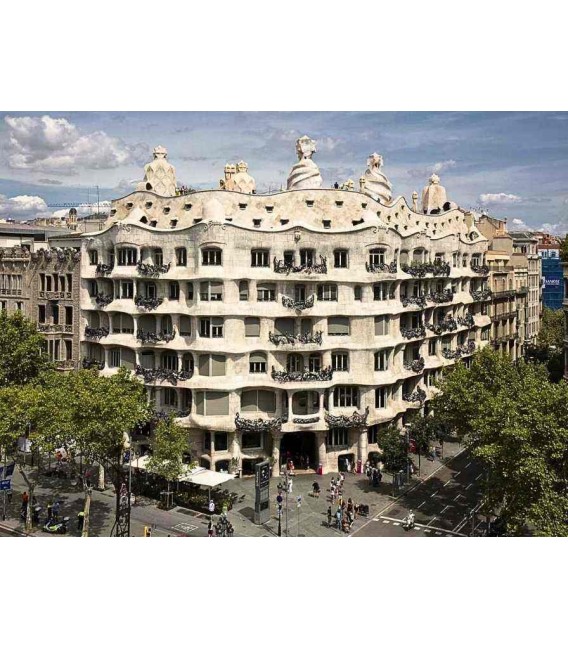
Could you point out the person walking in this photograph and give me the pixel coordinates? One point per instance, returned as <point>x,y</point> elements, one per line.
<point>338,518</point>
<point>80,521</point>
<point>210,527</point>
<point>329,516</point>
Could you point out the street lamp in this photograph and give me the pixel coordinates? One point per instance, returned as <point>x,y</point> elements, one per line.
<point>285,486</point>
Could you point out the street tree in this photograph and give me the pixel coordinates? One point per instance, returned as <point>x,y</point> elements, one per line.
<point>394,448</point>
<point>424,431</point>
<point>515,422</point>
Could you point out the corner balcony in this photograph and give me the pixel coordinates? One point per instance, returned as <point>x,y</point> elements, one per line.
<point>298,305</point>
<point>151,337</point>
<point>161,374</point>
<point>90,363</point>
<point>356,420</point>
<point>283,376</point>
<point>96,333</point>
<point>283,267</point>
<point>481,294</point>
<point>417,396</point>
<point>449,324</point>
<point>104,269</point>
<point>301,339</point>
<point>480,270</point>
<point>152,270</point>
<point>257,425</point>
<point>103,300</point>
<point>421,269</point>
<point>382,268</point>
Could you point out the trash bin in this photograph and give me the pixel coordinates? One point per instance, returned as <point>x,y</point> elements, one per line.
<point>359,466</point>
<point>320,469</point>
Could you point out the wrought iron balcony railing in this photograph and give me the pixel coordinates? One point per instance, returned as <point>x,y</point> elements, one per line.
<point>281,266</point>
<point>449,324</point>
<point>503,316</point>
<point>257,425</point>
<point>152,270</point>
<point>420,269</point>
<point>305,420</point>
<point>441,297</point>
<point>505,338</point>
<point>382,268</point>
<point>298,305</point>
<point>96,333</point>
<point>523,290</point>
<point>356,420</point>
<point>481,294</point>
<point>466,321</point>
<point>416,365</point>
<point>450,354</point>
<point>14,291</point>
<point>418,395</point>
<point>103,300</point>
<point>55,295</point>
<point>418,300</point>
<point>302,339</point>
<point>467,348</point>
<point>55,328</point>
<point>104,269</point>
<point>148,303</point>
<point>89,363</point>
<point>67,364</point>
<point>413,332</point>
<point>480,270</point>
<point>501,295</point>
<point>162,374</point>
<point>153,337</point>
<point>283,376</point>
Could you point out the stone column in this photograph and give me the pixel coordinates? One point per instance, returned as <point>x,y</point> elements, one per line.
<point>212,451</point>
<point>276,439</point>
<point>290,397</point>
<point>322,450</point>
<point>107,356</point>
<point>321,402</point>
<point>362,445</point>
<point>135,319</point>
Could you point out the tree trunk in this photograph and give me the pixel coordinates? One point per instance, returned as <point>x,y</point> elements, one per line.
<point>101,477</point>
<point>419,455</point>
<point>86,512</point>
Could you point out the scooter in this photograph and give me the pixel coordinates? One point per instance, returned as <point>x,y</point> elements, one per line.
<point>408,522</point>
<point>59,527</point>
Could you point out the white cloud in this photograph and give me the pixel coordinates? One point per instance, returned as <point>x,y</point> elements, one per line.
<point>518,224</point>
<point>23,207</point>
<point>436,168</point>
<point>55,145</point>
<point>499,199</point>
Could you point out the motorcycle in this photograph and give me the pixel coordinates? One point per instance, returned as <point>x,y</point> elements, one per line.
<point>57,527</point>
<point>408,522</point>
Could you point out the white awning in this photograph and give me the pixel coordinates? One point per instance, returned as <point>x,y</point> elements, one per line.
<point>206,477</point>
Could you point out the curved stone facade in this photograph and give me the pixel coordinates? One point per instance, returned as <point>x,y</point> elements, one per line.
<point>296,322</point>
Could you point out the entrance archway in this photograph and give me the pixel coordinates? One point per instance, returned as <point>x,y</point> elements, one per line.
<point>299,447</point>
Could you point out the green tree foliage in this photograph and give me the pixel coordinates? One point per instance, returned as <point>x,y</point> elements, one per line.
<point>516,423</point>
<point>564,249</point>
<point>394,449</point>
<point>22,355</point>
<point>551,332</point>
<point>169,443</point>
<point>550,344</point>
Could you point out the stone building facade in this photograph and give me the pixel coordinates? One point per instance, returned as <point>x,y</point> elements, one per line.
<point>284,325</point>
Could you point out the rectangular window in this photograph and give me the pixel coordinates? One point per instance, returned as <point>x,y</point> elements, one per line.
<point>485,333</point>
<point>212,365</point>
<point>382,360</point>
<point>243,290</point>
<point>381,325</point>
<point>69,315</point>
<point>189,291</point>
<point>127,256</point>
<point>346,396</point>
<point>340,258</point>
<point>381,291</point>
<point>211,291</point>
<point>381,398</point>
<point>158,256</point>
<point>307,257</point>
<point>284,326</point>
<point>127,290</point>
<point>337,437</point>
<point>340,361</point>
<point>252,327</point>
<point>338,326</point>
<point>211,257</point>
<point>377,257</point>
<point>252,440</point>
<point>211,404</point>
<point>260,258</point>
<point>299,292</point>
<point>41,313</point>
<point>42,281</point>
<point>221,441</point>
<point>257,363</point>
<point>289,257</point>
<point>93,257</point>
<point>266,293</point>
<point>181,256</point>
<point>211,327</point>
<point>174,291</point>
<point>55,313</point>
<point>446,343</point>
<point>432,348</point>
<point>327,292</point>
<point>115,357</point>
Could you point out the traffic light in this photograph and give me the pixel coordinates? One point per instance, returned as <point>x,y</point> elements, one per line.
<point>147,531</point>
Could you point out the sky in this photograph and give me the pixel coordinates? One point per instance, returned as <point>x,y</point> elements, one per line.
<point>512,165</point>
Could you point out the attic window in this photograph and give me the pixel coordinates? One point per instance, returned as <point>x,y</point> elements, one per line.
<point>357,222</point>
<point>406,227</point>
<point>153,224</point>
<point>378,212</point>
<point>173,223</point>
<point>310,203</point>
<point>339,203</point>
<point>197,220</point>
<point>364,205</point>
<point>327,224</point>
<point>417,222</point>
<point>187,207</point>
<point>269,208</point>
<point>396,213</point>
<point>257,222</point>
<point>284,221</point>
<point>166,210</point>
<point>402,207</point>
<point>228,218</point>
<point>242,206</point>
<point>129,205</point>
<point>396,226</point>
<point>112,212</point>
<point>143,220</point>
<point>148,205</point>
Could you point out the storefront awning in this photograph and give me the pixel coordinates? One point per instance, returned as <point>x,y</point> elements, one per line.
<point>206,477</point>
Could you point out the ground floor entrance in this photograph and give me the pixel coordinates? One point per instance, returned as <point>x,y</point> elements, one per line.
<point>300,448</point>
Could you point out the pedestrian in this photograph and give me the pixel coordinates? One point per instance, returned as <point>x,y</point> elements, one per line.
<point>210,528</point>
<point>25,500</point>
<point>338,518</point>
<point>49,512</point>
<point>80,521</point>
<point>211,507</point>
<point>290,486</point>
<point>56,508</point>
<point>329,516</point>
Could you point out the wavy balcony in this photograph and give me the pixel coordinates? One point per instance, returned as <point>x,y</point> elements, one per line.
<point>480,270</point>
<point>283,376</point>
<point>441,297</point>
<point>356,420</point>
<point>96,333</point>
<point>104,269</point>
<point>414,300</point>
<point>283,267</point>
<point>148,303</point>
<point>413,332</point>
<point>257,425</point>
<point>103,300</point>
<point>301,339</point>
<point>421,269</point>
<point>449,324</point>
<point>92,363</point>
<point>481,294</point>
<point>152,270</point>
<point>466,321</point>
<point>160,374</point>
<point>418,396</point>
<point>417,365</point>
<point>298,305</point>
<point>151,337</point>
<point>305,420</point>
<point>382,268</point>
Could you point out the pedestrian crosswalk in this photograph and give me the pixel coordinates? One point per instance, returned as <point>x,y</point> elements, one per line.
<point>425,529</point>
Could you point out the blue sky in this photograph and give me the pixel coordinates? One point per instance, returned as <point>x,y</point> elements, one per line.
<point>514,164</point>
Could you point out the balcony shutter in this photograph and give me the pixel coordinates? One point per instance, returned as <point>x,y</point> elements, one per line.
<point>249,401</point>
<point>217,403</point>
<point>338,326</point>
<point>199,404</point>
<point>252,327</point>
<point>284,326</point>
<point>266,401</point>
<point>217,365</point>
<point>204,365</point>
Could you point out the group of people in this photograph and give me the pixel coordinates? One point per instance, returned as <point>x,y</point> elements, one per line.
<point>182,191</point>
<point>223,527</point>
<point>374,474</point>
<point>347,510</point>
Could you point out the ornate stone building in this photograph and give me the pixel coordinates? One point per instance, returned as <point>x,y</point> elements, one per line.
<point>283,325</point>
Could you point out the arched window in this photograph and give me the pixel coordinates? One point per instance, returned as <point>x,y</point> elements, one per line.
<point>170,397</point>
<point>257,363</point>
<point>377,256</point>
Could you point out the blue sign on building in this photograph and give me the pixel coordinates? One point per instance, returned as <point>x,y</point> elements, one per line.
<point>552,290</point>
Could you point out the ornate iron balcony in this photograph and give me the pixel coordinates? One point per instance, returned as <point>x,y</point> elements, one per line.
<point>96,332</point>
<point>418,395</point>
<point>152,270</point>
<point>257,425</point>
<point>503,294</point>
<point>67,364</point>
<point>481,294</point>
<point>281,266</point>
<point>467,348</point>
<point>162,374</point>
<point>104,269</point>
<point>449,324</point>
<point>283,376</point>
<point>440,297</point>
<point>416,365</point>
<point>480,270</point>
<point>416,332</point>
<point>466,321</point>
<point>381,268</point>
<point>523,290</point>
<point>450,354</point>
<point>299,305</point>
<point>148,303</point>
<point>418,300</point>
<point>303,339</point>
<point>89,363</point>
<point>436,268</point>
<point>55,328</point>
<point>305,420</point>
<point>356,420</point>
<point>153,337</point>
<point>54,295</point>
<point>103,300</point>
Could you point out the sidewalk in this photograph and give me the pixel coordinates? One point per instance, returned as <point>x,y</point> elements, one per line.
<point>311,516</point>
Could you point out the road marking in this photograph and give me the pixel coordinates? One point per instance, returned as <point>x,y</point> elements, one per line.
<point>438,533</point>
<point>417,527</point>
<point>387,522</point>
<point>479,476</point>
<point>420,505</point>
<point>456,474</point>
<point>431,521</point>
<point>432,496</point>
<point>468,464</point>
<point>447,483</point>
<point>396,524</point>
<point>184,527</point>
<point>456,498</point>
<point>446,507</point>
<point>468,486</point>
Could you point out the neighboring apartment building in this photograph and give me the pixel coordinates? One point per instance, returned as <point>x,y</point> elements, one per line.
<point>528,274</point>
<point>548,248</point>
<point>286,325</point>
